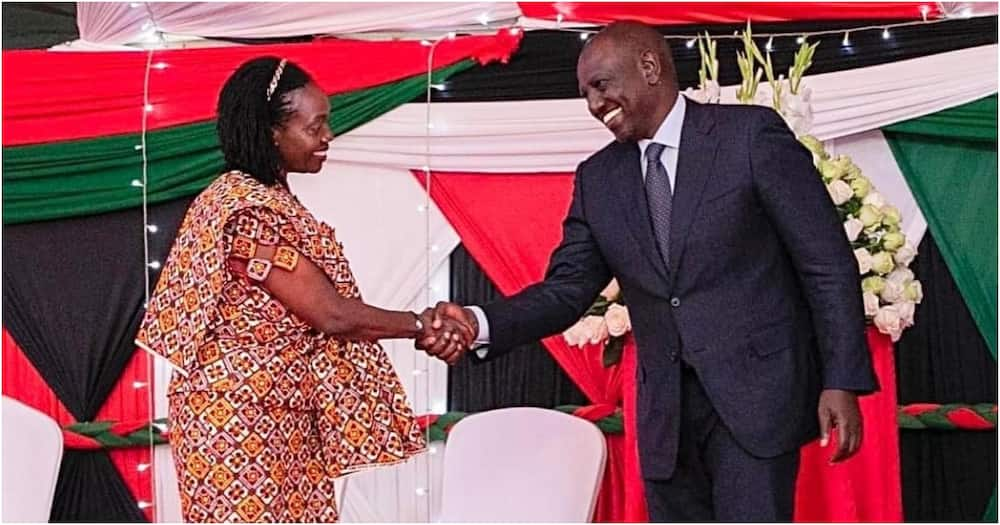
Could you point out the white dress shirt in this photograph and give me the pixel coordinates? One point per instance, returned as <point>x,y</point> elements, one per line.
<point>668,134</point>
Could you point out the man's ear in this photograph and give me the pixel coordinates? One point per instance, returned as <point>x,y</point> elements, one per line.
<point>649,62</point>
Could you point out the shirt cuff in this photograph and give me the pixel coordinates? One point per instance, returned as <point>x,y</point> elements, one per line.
<point>483,337</point>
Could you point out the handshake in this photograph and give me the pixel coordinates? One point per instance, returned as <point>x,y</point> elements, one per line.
<point>449,330</point>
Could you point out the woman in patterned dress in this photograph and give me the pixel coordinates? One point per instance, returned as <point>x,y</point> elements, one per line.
<point>280,385</point>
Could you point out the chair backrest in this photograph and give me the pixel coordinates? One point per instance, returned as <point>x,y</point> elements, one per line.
<point>32,451</point>
<point>522,464</point>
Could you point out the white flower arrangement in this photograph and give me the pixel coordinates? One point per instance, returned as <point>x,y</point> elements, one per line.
<point>889,290</point>
<point>607,321</point>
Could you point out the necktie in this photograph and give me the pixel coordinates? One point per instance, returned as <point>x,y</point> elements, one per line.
<point>658,198</point>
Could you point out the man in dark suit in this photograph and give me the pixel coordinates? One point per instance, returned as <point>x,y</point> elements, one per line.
<point>743,291</point>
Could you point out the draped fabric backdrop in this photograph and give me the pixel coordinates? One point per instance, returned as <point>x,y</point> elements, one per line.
<point>73,311</point>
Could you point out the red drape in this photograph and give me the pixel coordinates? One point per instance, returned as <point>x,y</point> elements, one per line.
<point>867,487</point>
<point>21,381</point>
<point>511,222</point>
<point>673,13</point>
<point>50,96</point>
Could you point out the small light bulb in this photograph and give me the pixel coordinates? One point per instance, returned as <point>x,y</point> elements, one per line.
<point>136,183</point>
<point>847,39</point>
<point>800,40</point>
<point>138,384</point>
<point>584,36</point>
<point>152,228</point>
<point>690,43</point>
<point>452,35</point>
<point>770,44</point>
<point>149,108</point>
<point>154,265</point>
<point>885,34</point>
<point>160,65</point>
<point>143,467</point>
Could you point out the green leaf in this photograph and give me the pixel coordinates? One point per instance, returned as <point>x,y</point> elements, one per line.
<point>613,351</point>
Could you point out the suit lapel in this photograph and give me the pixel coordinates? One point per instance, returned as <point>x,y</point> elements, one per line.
<point>694,168</point>
<point>632,195</point>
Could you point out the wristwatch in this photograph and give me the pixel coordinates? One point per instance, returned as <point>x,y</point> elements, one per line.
<point>419,324</point>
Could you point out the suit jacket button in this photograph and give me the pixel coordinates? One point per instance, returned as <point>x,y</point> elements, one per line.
<point>675,302</point>
<point>674,356</point>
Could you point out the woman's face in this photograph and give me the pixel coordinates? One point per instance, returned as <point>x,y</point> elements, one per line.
<point>304,138</point>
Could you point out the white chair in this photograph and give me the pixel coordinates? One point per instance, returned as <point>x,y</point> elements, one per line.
<point>522,465</point>
<point>32,451</point>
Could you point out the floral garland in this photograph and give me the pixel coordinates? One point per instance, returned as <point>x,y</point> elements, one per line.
<point>889,289</point>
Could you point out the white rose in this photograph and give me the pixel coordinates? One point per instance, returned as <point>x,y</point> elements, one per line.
<point>873,284</point>
<point>892,241</point>
<point>861,186</point>
<point>864,259</point>
<point>900,275</point>
<point>871,304</point>
<point>617,320</point>
<point>853,228</point>
<point>914,292</point>
<point>893,291</point>
<point>905,254</point>
<point>882,263</point>
<point>891,216</point>
<point>839,191</point>
<point>889,322</point>
<point>612,290</point>
<point>906,310</point>
<point>869,215</point>
<point>875,199</point>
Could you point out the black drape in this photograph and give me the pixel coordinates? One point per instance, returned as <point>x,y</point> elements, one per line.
<point>942,358</point>
<point>72,295</point>
<point>526,376</point>
<point>38,25</point>
<point>545,65</point>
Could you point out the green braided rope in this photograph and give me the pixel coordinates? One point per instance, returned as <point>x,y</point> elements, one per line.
<point>103,433</point>
<point>954,416</point>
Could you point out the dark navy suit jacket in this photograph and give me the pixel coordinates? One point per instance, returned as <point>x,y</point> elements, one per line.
<point>761,295</point>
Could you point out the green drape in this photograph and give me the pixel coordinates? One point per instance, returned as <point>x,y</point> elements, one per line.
<point>85,177</point>
<point>949,160</point>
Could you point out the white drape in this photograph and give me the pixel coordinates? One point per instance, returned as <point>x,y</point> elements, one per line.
<point>555,135</point>
<point>130,22</point>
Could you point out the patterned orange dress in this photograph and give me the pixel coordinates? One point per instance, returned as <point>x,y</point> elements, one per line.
<point>265,411</point>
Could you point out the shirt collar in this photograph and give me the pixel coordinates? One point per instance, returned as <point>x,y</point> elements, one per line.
<point>669,132</point>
